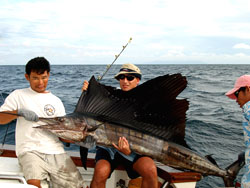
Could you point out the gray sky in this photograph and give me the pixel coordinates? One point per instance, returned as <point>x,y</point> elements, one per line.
<point>94,31</point>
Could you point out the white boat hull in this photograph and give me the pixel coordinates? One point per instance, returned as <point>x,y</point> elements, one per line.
<point>12,176</point>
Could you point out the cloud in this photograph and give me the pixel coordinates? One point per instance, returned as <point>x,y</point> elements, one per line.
<point>241,46</point>
<point>91,31</point>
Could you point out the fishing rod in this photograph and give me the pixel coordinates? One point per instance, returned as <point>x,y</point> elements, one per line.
<point>116,57</point>
<point>84,150</point>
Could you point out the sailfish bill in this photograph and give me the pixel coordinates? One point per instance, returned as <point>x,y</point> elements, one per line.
<point>150,116</point>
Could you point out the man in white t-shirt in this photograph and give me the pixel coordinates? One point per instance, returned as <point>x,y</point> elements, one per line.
<point>40,154</point>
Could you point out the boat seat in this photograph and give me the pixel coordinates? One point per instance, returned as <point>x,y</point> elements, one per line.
<point>10,166</point>
<point>11,174</point>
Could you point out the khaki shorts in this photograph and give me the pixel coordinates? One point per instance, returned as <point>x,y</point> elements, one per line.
<point>58,169</point>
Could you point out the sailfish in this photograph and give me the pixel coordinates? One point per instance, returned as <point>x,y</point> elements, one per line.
<point>151,117</point>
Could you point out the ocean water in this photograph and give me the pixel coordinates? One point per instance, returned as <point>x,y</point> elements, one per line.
<point>213,123</point>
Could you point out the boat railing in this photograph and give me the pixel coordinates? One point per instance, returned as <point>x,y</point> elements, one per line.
<point>166,174</point>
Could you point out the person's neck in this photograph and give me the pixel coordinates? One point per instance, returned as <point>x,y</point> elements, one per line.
<point>45,91</point>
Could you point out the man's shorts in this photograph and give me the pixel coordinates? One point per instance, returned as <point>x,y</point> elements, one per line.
<point>59,169</point>
<point>118,160</point>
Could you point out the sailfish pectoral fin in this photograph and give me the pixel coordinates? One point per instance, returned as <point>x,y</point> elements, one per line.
<point>88,143</point>
<point>84,154</point>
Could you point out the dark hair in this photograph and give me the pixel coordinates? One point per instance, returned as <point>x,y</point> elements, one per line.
<point>38,65</point>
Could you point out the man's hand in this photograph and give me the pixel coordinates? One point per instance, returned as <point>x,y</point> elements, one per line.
<point>85,85</point>
<point>28,115</point>
<point>123,146</point>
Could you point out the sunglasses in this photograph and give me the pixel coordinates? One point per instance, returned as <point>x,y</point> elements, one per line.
<point>129,77</point>
<point>236,93</point>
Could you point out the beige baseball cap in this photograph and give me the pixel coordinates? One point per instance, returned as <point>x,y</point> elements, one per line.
<point>129,68</point>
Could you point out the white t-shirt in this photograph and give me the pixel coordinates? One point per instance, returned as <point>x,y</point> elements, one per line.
<point>44,105</point>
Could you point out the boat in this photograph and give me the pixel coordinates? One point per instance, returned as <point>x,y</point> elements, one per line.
<point>12,176</point>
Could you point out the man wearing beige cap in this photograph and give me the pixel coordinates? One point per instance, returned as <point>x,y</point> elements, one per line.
<point>241,93</point>
<point>129,76</point>
<point>107,159</point>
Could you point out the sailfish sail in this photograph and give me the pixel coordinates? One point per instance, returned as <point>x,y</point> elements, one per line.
<point>150,108</point>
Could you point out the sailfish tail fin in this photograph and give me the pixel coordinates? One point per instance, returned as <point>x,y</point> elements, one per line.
<point>233,170</point>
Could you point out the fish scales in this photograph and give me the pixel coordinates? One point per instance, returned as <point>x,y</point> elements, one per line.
<point>165,152</point>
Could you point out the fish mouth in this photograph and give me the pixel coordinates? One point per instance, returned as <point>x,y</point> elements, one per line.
<point>63,127</point>
<point>69,122</point>
<point>51,123</point>
<point>62,123</point>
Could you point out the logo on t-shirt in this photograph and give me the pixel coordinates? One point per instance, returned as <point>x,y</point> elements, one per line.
<point>49,109</point>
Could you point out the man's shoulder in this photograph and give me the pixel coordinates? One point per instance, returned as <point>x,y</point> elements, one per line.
<point>246,106</point>
<point>54,96</point>
<point>20,91</point>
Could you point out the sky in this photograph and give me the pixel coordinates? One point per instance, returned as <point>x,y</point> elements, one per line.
<point>94,31</point>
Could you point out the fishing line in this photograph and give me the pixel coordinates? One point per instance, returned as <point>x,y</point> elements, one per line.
<point>1,150</point>
<point>2,97</point>
<point>6,132</point>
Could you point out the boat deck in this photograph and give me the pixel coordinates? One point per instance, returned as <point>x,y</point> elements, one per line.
<point>10,172</point>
